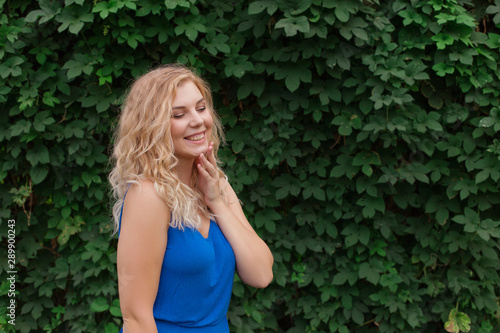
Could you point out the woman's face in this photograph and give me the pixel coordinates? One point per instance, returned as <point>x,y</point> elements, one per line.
<point>191,122</point>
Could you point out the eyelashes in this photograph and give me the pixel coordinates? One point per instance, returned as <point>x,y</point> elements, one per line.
<point>180,115</point>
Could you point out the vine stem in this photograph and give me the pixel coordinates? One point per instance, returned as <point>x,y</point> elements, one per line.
<point>51,250</point>
<point>367,322</point>
<point>28,215</point>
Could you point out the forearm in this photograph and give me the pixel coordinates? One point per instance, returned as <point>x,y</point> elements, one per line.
<point>139,324</point>
<point>254,260</point>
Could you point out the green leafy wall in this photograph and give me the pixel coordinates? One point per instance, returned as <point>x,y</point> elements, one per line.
<point>362,138</point>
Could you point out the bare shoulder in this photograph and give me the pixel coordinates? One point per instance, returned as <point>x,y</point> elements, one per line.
<point>143,203</point>
<point>144,189</point>
<point>144,193</point>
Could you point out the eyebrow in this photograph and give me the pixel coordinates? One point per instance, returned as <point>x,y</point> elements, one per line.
<point>183,107</point>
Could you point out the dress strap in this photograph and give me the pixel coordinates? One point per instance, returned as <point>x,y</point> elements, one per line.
<point>121,211</point>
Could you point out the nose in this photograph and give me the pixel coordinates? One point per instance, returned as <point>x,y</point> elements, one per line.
<point>196,119</point>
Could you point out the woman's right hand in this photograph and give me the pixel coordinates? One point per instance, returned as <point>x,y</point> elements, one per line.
<point>209,178</point>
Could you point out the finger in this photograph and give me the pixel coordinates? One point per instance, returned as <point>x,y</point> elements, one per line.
<point>208,166</point>
<point>209,148</point>
<point>213,165</point>
<point>202,171</point>
<point>211,155</point>
<point>211,159</point>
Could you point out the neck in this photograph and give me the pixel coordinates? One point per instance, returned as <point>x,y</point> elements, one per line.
<point>185,171</point>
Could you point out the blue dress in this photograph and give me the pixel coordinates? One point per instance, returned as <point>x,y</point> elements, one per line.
<point>196,282</point>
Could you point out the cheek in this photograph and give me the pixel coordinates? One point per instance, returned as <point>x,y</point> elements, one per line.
<point>175,128</point>
<point>209,121</point>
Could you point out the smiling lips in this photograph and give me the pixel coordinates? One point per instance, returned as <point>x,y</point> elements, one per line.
<point>196,137</point>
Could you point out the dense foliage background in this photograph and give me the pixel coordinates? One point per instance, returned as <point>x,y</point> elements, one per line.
<point>362,138</point>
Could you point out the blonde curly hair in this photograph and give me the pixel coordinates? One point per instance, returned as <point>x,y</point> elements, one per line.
<point>143,147</point>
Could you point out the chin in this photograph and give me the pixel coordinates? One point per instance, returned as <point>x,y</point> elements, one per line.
<point>192,153</point>
<point>201,149</point>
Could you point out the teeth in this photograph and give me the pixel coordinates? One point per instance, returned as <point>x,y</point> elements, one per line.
<point>196,138</point>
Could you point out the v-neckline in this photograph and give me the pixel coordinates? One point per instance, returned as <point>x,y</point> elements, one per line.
<point>208,232</point>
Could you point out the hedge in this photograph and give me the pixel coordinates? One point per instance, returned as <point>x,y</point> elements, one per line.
<point>362,138</point>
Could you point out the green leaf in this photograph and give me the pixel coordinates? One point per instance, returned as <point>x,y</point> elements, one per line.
<point>346,123</point>
<point>237,66</point>
<point>215,43</point>
<point>100,304</point>
<point>115,310</point>
<point>104,8</point>
<point>68,226</point>
<point>482,176</point>
<point>293,24</point>
<point>442,69</point>
<point>22,126</point>
<point>442,40</point>
<point>365,106</point>
<point>190,26</point>
<point>294,74</point>
<point>81,64</point>
<point>340,278</point>
<point>367,169</point>
<point>49,99</point>
<point>411,16</point>
<point>257,7</point>
<point>487,122</point>
<point>255,86</point>
<point>368,273</point>
<point>457,322</point>
<point>172,4</point>
<point>266,216</point>
<point>111,328</point>
<point>494,9</point>
<point>368,157</point>
<point>48,10</point>
<point>286,185</point>
<point>442,216</point>
<point>36,312</point>
<point>10,67</point>
<point>343,8</point>
<point>38,174</point>
<point>38,154</point>
<point>466,57</point>
<point>73,18</point>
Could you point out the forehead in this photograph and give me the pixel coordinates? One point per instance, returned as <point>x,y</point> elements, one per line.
<point>187,93</point>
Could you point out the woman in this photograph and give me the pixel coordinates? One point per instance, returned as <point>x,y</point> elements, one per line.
<point>182,231</point>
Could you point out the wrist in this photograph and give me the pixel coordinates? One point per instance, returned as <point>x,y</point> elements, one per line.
<point>216,204</point>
